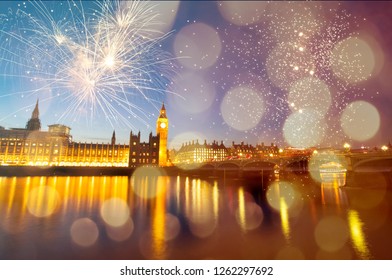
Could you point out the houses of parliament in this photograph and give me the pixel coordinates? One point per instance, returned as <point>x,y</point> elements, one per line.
<point>31,146</point>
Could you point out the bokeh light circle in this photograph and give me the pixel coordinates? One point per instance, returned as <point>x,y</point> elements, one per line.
<point>84,232</point>
<point>180,142</point>
<point>184,137</point>
<point>192,93</point>
<point>115,212</point>
<point>166,12</point>
<point>331,233</point>
<point>242,12</point>
<point>353,60</point>
<point>360,120</point>
<point>42,201</point>
<point>304,129</point>
<point>242,108</point>
<point>279,191</point>
<point>197,46</point>
<point>318,159</point>
<point>251,216</point>
<point>290,253</point>
<point>310,93</point>
<point>144,181</point>
<point>121,233</point>
<point>172,227</point>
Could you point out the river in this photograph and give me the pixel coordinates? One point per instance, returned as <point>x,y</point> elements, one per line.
<point>293,216</point>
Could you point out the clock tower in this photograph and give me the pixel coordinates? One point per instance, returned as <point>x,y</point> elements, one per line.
<point>162,131</point>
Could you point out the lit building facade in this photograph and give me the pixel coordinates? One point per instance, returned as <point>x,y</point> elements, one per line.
<point>262,150</point>
<point>32,147</point>
<point>143,153</point>
<point>241,150</point>
<point>162,133</point>
<point>246,151</point>
<point>194,152</point>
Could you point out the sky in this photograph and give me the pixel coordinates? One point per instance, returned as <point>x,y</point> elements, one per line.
<point>299,74</point>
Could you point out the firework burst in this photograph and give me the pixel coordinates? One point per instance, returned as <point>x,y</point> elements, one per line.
<point>103,60</point>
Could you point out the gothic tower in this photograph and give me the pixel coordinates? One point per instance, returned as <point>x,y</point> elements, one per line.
<point>34,123</point>
<point>114,138</point>
<point>162,132</point>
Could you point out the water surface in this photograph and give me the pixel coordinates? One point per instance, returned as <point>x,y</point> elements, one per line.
<point>179,217</point>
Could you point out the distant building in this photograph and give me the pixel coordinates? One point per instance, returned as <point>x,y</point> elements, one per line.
<point>264,150</point>
<point>237,151</point>
<point>194,152</point>
<point>246,151</point>
<point>32,147</point>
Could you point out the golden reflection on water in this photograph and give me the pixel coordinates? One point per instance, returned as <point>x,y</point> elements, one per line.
<point>204,209</point>
<point>199,208</point>
<point>215,199</point>
<point>357,235</point>
<point>284,218</point>
<point>249,214</point>
<point>26,192</point>
<point>333,194</point>
<point>241,208</point>
<point>159,221</point>
<point>11,195</point>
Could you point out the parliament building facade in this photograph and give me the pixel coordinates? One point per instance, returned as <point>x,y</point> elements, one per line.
<point>30,146</point>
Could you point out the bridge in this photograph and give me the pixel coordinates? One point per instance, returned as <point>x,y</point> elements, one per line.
<point>375,161</point>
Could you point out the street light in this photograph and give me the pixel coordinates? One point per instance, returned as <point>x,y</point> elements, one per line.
<point>384,148</point>
<point>347,147</point>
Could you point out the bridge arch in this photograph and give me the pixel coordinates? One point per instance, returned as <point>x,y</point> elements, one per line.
<point>207,166</point>
<point>374,164</point>
<point>258,165</point>
<point>297,164</point>
<point>229,165</point>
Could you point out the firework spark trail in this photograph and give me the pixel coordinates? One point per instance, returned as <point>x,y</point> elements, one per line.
<point>97,62</point>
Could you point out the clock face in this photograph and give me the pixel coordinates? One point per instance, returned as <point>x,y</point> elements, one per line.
<point>163,125</point>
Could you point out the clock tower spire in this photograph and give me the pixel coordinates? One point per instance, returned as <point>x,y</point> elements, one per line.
<point>162,131</point>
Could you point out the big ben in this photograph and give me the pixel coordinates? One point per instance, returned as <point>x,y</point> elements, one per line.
<point>162,131</point>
